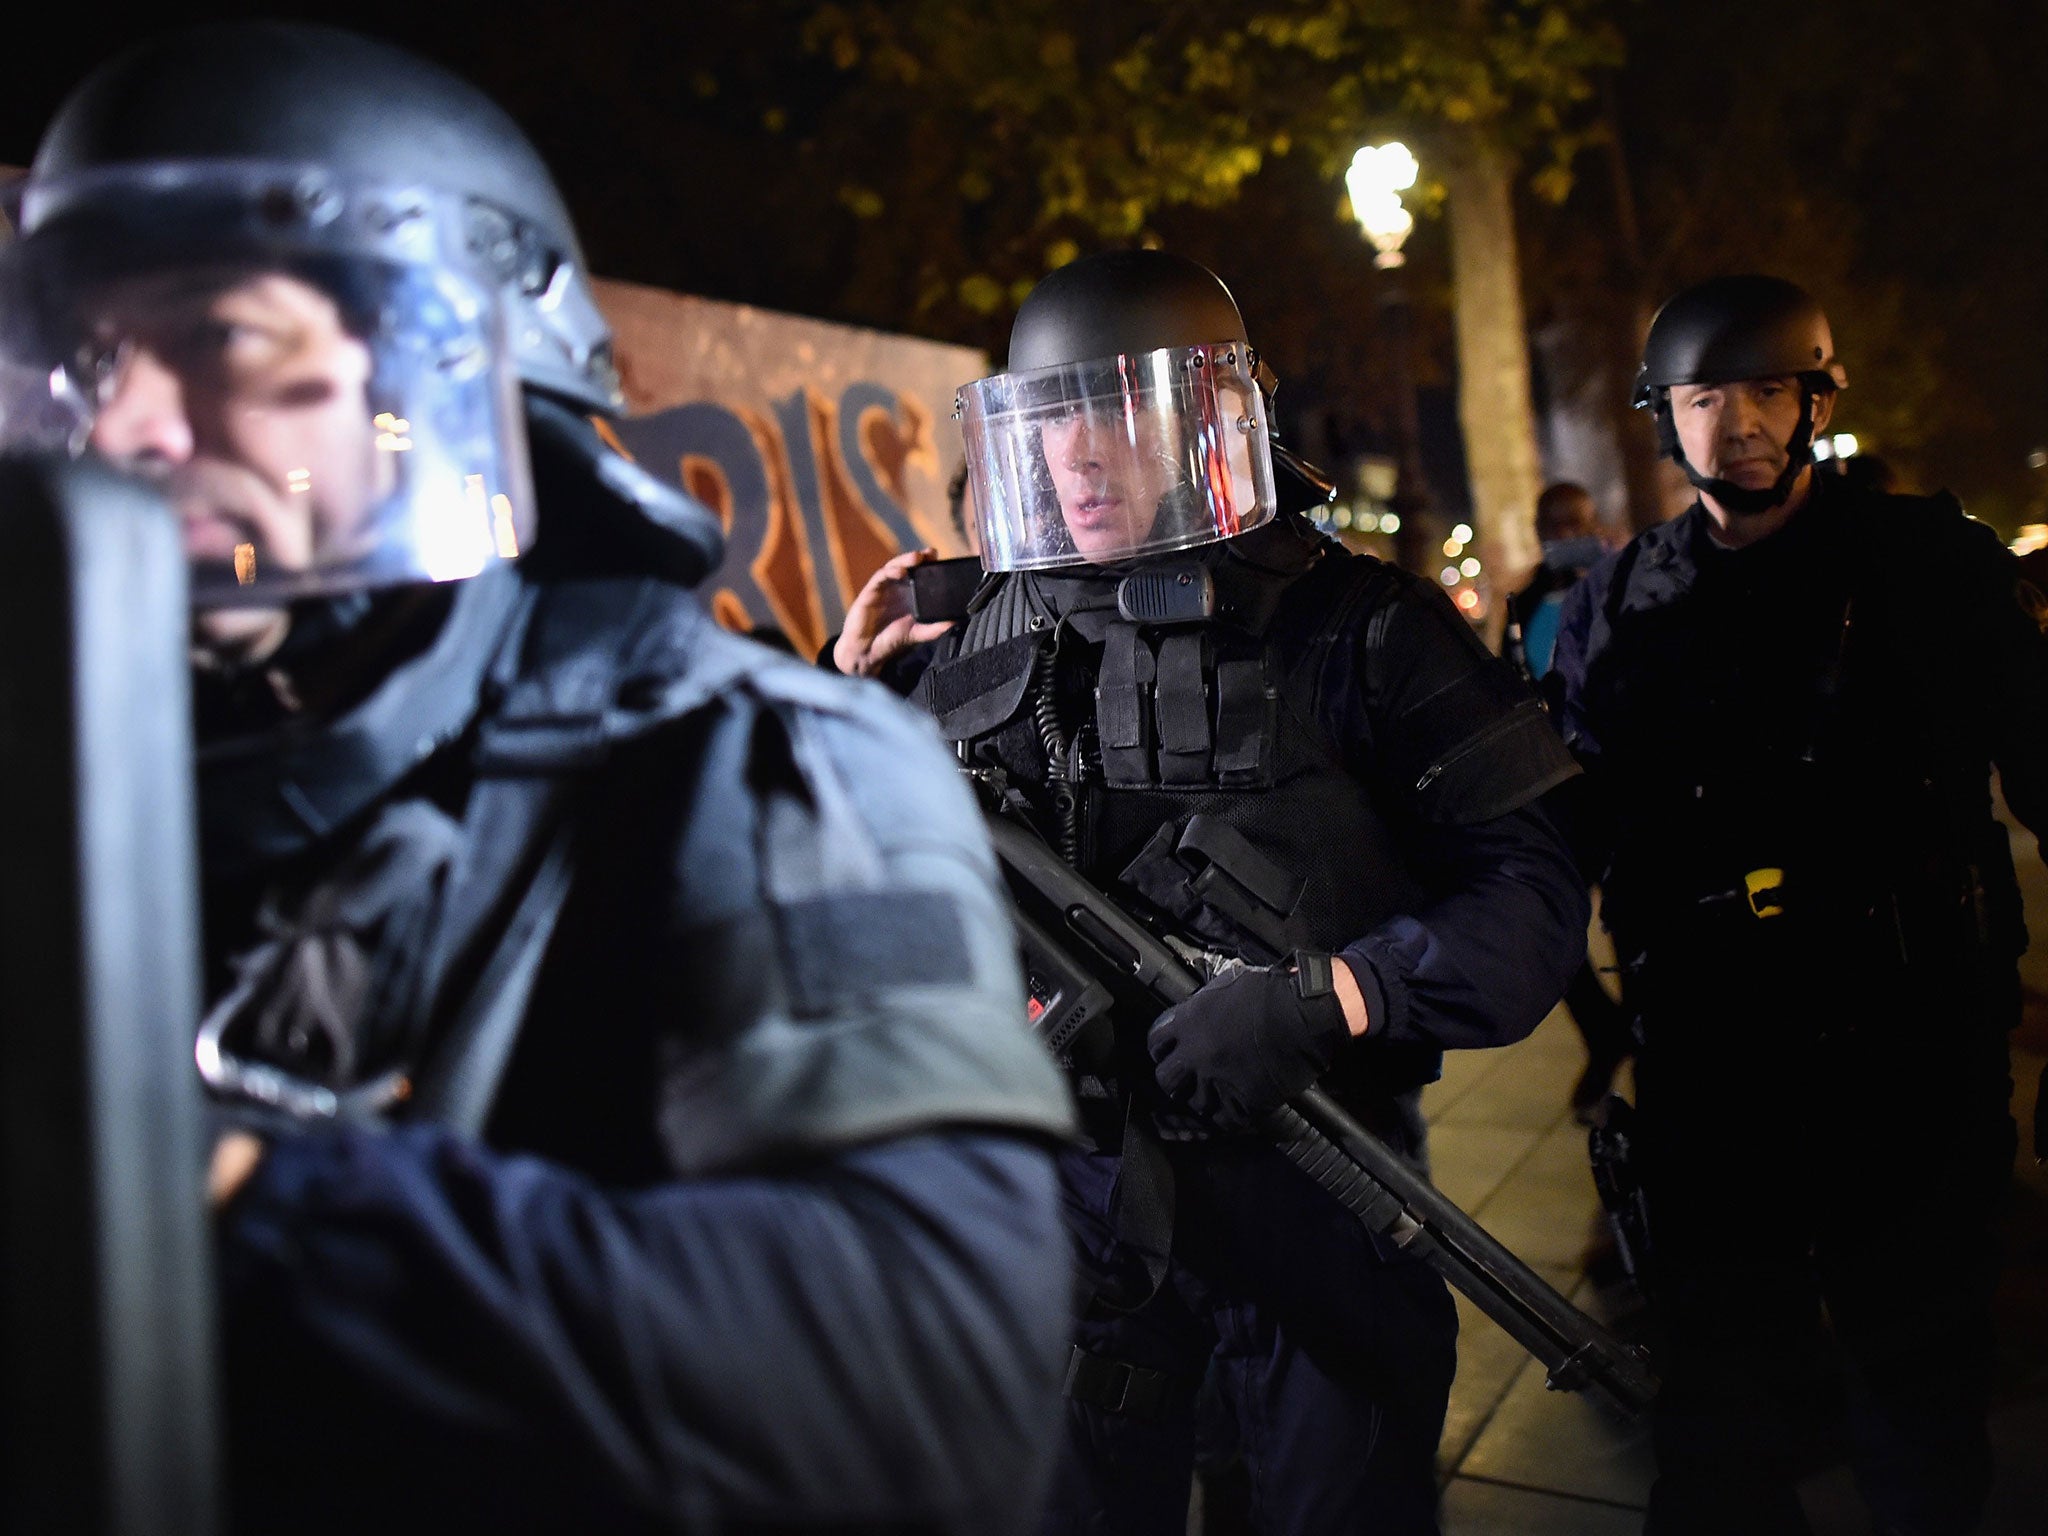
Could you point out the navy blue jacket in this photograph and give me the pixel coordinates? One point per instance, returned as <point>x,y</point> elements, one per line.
<point>764,1230</point>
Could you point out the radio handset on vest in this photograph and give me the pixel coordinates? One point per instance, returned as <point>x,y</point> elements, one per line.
<point>1172,594</point>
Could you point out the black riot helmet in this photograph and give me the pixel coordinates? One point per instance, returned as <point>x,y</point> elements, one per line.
<point>364,112</point>
<point>1131,420</point>
<point>352,277</point>
<point>1129,302</point>
<point>1729,329</point>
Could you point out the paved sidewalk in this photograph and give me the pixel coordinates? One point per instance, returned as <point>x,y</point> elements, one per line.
<point>1522,1461</point>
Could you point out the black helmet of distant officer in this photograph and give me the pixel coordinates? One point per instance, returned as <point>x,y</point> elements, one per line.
<point>1131,421</point>
<point>1741,331</point>
<point>319,290</point>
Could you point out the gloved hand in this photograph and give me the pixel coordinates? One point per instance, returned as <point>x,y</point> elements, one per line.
<point>1250,1041</point>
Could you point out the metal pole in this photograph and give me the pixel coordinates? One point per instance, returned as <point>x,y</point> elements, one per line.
<point>107,1339</point>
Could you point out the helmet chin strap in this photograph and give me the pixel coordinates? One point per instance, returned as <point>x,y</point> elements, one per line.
<point>1741,499</point>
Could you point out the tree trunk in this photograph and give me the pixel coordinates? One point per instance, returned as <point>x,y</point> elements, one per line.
<point>1494,408</point>
<point>1591,433</point>
<point>1656,488</point>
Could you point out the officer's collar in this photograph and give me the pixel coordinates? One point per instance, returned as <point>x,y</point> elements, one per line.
<point>1816,518</point>
<point>266,797</point>
<point>1251,572</point>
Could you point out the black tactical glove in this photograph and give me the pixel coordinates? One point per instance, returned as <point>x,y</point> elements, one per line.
<point>1250,1041</point>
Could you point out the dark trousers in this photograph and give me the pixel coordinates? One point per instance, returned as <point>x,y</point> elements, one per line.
<point>1331,1364</point>
<point>1824,1174</point>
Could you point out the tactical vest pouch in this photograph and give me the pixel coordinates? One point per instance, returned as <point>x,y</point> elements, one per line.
<point>974,694</point>
<point>1215,885</point>
<point>1123,706</point>
<point>1245,722</point>
<point>1490,747</point>
<point>1187,717</point>
<point>1181,702</point>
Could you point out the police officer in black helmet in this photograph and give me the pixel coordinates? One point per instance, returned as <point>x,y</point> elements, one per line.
<point>1789,701</point>
<point>1300,764</point>
<point>597,1157</point>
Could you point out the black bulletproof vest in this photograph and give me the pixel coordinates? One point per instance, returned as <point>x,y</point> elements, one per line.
<point>1185,767</point>
<point>682,800</point>
<point>1809,704</point>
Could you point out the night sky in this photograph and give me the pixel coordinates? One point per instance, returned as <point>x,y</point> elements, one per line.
<point>1891,155</point>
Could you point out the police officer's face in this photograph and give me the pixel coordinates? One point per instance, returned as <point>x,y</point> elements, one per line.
<point>243,395</point>
<point>1740,432</point>
<point>1110,473</point>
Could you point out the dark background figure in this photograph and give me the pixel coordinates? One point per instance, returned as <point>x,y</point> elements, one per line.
<point>1568,528</point>
<point>1568,531</point>
<point>1789,701</point>
<point>751,1222</point>
<point>1311,725</point>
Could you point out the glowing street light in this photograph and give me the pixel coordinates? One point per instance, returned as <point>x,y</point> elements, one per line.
<point>1379,174</point>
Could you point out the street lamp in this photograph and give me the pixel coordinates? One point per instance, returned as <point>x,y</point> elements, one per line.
<point>1379,174</point>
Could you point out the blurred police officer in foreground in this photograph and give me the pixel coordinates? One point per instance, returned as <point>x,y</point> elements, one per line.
<point>1789,700</point>
<point>761,1230</point>
<point>1193,692</point>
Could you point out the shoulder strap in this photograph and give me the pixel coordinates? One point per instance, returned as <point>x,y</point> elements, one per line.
<point>457,1085</point>
<point>594,663</point>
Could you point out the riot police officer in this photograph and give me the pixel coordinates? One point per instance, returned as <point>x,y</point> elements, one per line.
<point>1301,765</point>
<point>1789,701</point>
<point>597,1159</point>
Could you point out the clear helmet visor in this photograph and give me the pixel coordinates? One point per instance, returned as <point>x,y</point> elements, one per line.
<point>1090,463</point>
<point>312,374</point>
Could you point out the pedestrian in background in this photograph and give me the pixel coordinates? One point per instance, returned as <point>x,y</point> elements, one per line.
<point>1568,528</point>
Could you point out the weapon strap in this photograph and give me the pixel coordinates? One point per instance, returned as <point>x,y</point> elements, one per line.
<point>458,1083</point>
<point>514,873</point>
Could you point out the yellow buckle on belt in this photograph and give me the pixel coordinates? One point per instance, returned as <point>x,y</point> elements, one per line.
<point>1765,888</point>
